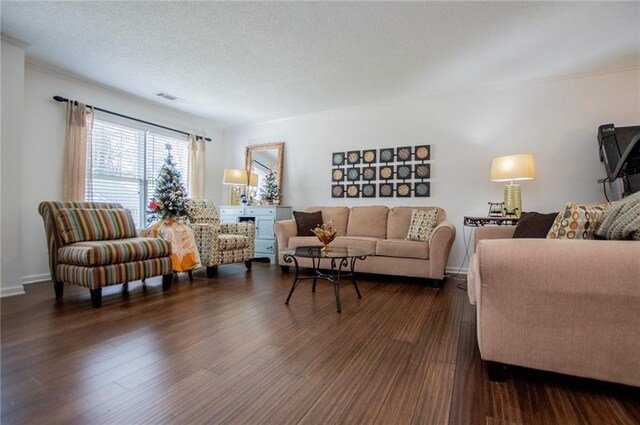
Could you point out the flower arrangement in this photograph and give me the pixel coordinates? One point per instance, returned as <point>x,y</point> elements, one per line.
<point>326,234</point>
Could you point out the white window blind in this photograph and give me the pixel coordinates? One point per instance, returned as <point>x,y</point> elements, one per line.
<point>124,164</point>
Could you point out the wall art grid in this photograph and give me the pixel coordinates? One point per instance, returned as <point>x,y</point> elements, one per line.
<point>402,172</point>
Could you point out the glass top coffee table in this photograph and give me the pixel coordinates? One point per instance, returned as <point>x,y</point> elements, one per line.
<point>342,260</point>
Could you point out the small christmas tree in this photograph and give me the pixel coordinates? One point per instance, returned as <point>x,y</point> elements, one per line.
<point>169,197</point>
<point>270,191</point>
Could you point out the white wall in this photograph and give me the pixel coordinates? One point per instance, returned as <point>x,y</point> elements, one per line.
<point>12,119</point>
<point>41,161</point>
<point>556,120</point>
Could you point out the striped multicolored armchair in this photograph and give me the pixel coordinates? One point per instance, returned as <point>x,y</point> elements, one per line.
<point>220,243</point>
<point>95,244</point>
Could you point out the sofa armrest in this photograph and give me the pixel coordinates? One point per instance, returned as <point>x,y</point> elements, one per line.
<point>206,237</point>
<point>284,230</point>
<point>492,232</point>
<point>246,228</point>
<point>561,305</point>
<point>440,244</point>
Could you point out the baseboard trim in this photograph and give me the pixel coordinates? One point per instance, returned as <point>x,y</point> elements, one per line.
<point>456,270</point>
<point>11,291</point>
<point>35,278</point>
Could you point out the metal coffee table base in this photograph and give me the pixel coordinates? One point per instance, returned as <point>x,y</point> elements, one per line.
<point>338,272</point>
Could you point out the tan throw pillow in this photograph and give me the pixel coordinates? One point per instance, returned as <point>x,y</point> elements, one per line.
<point>422,224</point>
<point>577,221</point>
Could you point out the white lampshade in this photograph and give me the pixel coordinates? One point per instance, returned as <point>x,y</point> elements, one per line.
<point>513,167</point>
<point>235,176</point>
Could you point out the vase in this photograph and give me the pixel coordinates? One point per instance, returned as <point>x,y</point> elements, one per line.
<point>326,239</point>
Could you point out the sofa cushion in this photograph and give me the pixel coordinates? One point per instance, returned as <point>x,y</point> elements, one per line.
<point>362,242</point>
<point>622,220</point>
<point>102,253</point>
<point>422,224</point>
<point>307,221</point>
<point>298,241</point>
<point>577,221</point>
<point>368,221</point>
<point>92,224</point>
<point>227,241</point>
<point>534,225</point>
<point>343,241</point>
<point>400,218</point>
<point>403,248</point>
<point>113,274</point>
<point>338,215</point>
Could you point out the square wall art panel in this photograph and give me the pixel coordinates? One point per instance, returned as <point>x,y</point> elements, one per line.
<point>402,172</point>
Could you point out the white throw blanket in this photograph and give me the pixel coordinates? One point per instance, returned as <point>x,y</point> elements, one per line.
<point>622,220</point>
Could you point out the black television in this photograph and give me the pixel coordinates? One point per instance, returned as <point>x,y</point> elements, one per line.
<point>620,151</point>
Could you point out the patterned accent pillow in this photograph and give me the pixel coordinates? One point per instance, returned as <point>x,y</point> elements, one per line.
<point>422,224</point>
<point>91,224</point>
<point>577,221</point>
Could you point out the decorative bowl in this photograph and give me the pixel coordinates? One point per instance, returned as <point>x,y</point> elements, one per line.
<point>326,234</point>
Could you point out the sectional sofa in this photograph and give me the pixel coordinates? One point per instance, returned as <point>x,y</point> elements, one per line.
<point>568,306</point>
<point>382,230</point>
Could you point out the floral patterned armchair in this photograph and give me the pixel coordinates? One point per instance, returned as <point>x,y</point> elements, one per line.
<point>220,243</point>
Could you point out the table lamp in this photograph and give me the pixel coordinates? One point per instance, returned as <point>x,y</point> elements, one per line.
<point>253,180</point>
<point>511,168</point>
<point>235,177</point>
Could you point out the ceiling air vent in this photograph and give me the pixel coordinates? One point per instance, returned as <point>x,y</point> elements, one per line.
<point>167,96</point>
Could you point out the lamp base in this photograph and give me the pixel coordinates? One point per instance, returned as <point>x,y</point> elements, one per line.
<point>234,195</point>
<point>512,200</point>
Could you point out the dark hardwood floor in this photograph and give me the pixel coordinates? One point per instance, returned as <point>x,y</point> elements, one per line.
<point>227,350</point>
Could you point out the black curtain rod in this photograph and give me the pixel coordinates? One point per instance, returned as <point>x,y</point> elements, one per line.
<point>75,102</point>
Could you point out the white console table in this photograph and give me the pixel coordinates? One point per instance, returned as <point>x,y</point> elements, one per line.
<point>264,217</point>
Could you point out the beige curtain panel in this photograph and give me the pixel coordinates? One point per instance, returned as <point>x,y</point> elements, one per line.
<point>196,167</point>
<point>77,146</point>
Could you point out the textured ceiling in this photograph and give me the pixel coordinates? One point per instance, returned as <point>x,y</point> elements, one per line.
<point>237,63</point>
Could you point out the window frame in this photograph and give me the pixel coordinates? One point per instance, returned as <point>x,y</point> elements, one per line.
<point>144,180</point>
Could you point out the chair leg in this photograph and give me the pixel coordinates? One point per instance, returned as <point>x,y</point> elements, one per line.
<point>435,283</point>
<point>96,297</point>
<point>248,264</point>
<point>190,272</point>
<point>497,372</point>
<point>58,288</point>
<point>212,271</point>
<point>284,269</point>
<point>167,280</point>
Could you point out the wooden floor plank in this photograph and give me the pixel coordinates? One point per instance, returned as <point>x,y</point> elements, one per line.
<point>227,350</point>
<point>469,400</point>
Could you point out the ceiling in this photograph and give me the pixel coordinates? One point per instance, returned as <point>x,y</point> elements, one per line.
<point>236,63</point>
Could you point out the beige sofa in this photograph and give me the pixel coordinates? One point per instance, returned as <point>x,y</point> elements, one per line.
<point>381,230</point>
<point>565,306</point>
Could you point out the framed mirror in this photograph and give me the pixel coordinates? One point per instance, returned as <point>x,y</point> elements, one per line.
<point>260,159</point>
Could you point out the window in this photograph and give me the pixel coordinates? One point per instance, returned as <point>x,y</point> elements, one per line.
<point>124,164</point>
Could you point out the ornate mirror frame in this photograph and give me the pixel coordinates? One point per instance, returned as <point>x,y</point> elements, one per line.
<point>278,146</point>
